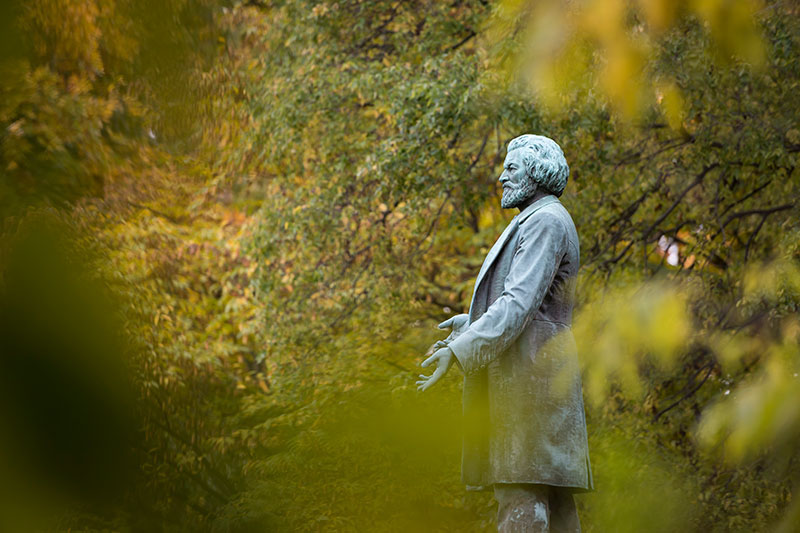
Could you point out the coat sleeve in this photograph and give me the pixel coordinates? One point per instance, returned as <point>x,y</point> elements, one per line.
<point>541,247</point>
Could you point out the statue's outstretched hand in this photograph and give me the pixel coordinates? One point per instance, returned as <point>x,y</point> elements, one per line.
<point>457,323</point>
<point>443,357</point>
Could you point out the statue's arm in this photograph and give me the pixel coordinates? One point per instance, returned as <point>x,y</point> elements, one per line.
<point>542,245</point>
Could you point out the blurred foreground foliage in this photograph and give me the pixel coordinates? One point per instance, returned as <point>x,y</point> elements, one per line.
<point>230,227</point>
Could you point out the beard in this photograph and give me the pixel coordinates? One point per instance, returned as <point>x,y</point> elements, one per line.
<point>516,196</point>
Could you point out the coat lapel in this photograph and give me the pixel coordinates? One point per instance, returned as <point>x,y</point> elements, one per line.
<point>505,236</point>
<point>495,251</point>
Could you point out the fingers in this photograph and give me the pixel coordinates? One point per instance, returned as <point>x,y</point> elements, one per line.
<point>435,346</point>
<point>446,324</point>
<point>432,380</point>
<point>423,385</point>
<point>428,381</point>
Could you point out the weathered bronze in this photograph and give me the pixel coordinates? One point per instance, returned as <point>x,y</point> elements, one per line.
<point>525,428</point>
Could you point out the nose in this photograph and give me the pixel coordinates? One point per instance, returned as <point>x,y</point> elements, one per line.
<point>503,178</point>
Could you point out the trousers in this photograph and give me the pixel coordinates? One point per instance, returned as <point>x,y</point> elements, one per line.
<point>529,508</point>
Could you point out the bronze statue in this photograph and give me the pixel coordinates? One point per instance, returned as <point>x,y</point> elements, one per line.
<point>524,422</point>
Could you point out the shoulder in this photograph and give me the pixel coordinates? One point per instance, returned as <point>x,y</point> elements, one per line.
<point>551,218</point>
<point>550,224</point>
<point>543,230</point>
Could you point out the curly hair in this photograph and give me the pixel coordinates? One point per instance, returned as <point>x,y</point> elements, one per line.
<point>544,161</point>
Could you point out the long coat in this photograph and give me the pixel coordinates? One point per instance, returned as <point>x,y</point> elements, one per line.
<point>523,404</point>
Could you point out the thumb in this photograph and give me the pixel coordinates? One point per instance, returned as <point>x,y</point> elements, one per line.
<point>446,324</point>
<point>429,360</point>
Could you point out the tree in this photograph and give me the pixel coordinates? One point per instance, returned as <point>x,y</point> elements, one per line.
<point>283,226</point>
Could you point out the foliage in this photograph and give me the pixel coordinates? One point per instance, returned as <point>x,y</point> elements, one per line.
<point>282,227</point>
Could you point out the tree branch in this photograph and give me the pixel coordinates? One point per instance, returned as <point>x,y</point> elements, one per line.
<point>462,42</point>
<point>766,212</point>
<point>688,393</point>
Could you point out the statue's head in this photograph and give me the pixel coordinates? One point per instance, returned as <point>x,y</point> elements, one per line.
<point>532,161</point>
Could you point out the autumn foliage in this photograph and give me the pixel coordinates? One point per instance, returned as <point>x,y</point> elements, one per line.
<point>230,228</point>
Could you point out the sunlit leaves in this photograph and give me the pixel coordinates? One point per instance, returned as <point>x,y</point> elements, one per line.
<point>87,84</point>
<point>382,201</point>
<point>761,415</point>
<point>282,281</point>
<point>66,34</point>
<point>578,51</point>
<point>622,333</point>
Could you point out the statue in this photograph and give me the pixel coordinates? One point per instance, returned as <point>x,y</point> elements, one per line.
<point>524,422</point>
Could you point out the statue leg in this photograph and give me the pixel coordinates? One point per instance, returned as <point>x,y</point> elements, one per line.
<point>529,508</point>
<point>563,513</point>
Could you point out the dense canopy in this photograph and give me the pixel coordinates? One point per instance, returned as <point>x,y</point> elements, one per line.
<point>230,228</point>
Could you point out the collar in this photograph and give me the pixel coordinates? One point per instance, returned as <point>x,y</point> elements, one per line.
<point>535,206</point>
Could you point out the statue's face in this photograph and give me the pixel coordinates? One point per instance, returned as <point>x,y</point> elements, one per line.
<point>517,185</point>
